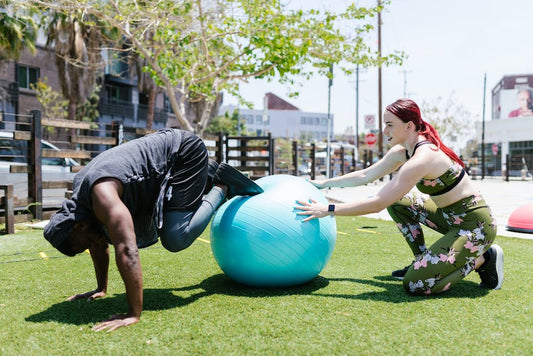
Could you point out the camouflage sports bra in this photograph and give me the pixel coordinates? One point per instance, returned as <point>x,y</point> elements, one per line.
<point>443,184</point>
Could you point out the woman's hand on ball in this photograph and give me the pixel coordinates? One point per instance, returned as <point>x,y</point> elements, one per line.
<point>312,209</point>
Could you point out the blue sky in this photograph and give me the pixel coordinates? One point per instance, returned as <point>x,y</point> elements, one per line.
<point>450,46</point>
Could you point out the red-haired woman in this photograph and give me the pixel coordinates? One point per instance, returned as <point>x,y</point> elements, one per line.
<point>446,201</point>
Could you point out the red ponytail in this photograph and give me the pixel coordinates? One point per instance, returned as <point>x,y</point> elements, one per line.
<point>407,110</point>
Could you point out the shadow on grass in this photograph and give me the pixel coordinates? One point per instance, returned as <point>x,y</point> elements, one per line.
<point>393,292</point>
<point>80,312</point>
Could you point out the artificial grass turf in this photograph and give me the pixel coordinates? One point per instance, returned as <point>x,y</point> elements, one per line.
<point>190,307</point>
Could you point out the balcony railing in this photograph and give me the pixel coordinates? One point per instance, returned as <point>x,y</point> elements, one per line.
<point>137,112</point>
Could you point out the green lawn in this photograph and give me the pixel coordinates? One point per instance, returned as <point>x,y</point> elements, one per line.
<point>353,307</point>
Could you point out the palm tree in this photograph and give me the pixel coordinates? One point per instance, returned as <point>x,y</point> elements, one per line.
<point>17,31</point>
<point>145,83</point>
<point>78,56</point>
<point>147,86</point>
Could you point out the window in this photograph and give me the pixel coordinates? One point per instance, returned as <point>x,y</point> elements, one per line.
<point>248,119</point>
<point>118,94</point>
<point>143,99</point>
<point>117,63</point>
<point>258,119</point>
<point>27,76</point>
<point>166,104</point>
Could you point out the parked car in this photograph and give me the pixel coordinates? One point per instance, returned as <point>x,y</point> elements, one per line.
<point>14,153</point>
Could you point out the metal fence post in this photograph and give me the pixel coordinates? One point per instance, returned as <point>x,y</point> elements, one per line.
<point>271,153</point>
<point>342,160</point>
<point>507,167</point>
<point>9,213</point>
<point>313,160</point>
<point>35,176</point>
<point>295,157</point>
<point>220,147</point>
<point>117,128</point>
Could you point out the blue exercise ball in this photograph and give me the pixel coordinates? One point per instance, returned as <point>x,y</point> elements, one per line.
<point>260,240</point>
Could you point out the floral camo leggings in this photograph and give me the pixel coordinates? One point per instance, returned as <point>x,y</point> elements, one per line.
<point>468,227</point>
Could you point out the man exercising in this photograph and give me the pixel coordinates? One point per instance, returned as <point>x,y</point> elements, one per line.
<point>129,195</point>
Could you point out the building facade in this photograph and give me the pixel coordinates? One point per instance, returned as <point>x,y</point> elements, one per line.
<point>510,128</point>
<point>120,99</point>
<point>282,119</point>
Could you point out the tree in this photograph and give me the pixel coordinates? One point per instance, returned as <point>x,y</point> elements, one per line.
<point>200,48</point>
<point>53,104</point>
<point>226,124</point>
<point>450,118</point>
<point>145,84</point>
<point>17,31</point>
<point>77,44</point>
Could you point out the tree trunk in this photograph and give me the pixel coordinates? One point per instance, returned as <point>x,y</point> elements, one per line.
<point>186,125</point>
<point>151,107</point>
<point>206,115</point>
<point>72,106</point>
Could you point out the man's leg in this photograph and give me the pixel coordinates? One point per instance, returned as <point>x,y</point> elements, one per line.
<point>180,229</point>
<point>186,210</point>
<point>236,182</point>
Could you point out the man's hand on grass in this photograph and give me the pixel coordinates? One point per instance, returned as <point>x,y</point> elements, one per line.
<point>89,295</point>
<point>116,321</point>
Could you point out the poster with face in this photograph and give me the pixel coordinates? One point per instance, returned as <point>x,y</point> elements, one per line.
<point>516,102</point>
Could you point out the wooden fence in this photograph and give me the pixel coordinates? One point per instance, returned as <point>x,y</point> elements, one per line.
<point>256,156</point>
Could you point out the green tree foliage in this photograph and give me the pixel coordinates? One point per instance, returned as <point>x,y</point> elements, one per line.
<point>88,111</point>
<point>227,124</point>
<point>53,104</point>
<point>77,43</point>
<point>199,48</point>
<point>283,154</point>
<point>17,31</point>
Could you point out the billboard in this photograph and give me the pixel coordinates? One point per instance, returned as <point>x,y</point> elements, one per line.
<point>516,102</point>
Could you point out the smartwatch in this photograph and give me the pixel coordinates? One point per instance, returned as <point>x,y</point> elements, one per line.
<point>331,209</point>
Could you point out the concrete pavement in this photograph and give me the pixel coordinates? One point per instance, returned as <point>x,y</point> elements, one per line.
<point>503,198</point>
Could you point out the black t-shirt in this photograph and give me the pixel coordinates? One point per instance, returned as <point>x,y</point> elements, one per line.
<point>141,165</point>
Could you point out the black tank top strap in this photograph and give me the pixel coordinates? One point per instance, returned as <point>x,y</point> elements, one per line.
<point>418,144</point>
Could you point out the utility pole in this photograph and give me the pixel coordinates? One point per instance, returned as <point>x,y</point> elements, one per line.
<point>380,134</point>
<point>483,130</point>
<point>357,108</point>
<point>328,150</point>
